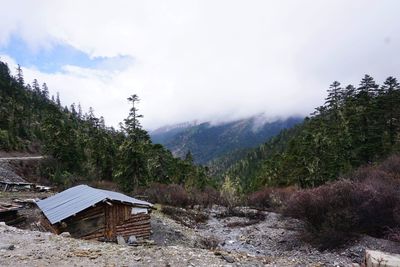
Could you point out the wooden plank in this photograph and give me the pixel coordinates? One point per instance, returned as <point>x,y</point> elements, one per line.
<point>84,226</point>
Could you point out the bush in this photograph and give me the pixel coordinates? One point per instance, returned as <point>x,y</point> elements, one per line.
<point>336,212</point>
<point>393,234</point>
<point>270,198</point>
<point>171,194</point>
<point>209,242</point>
<point>4,140</point>
<point>245,213</point>
<point>205,198</point>
<point>391,166</point>
<point>177,195</point>
<point>188,218</point>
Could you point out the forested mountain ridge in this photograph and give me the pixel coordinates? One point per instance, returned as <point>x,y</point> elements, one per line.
<point>81,146</point>
<point>355,126</point>
<point>207,142</point>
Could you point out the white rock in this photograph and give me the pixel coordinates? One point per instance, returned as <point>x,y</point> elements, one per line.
<point>374,258</point>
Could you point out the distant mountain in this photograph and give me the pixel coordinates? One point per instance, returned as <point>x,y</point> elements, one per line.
<point>207,142</point>
<point>166,133</point>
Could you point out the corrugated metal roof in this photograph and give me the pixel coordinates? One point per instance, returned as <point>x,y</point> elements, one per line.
<point>75,199</point>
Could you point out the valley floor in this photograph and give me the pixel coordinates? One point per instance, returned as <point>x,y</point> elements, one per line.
<point>270,242</point>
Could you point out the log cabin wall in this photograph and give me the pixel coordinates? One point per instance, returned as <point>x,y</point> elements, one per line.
<point>52,228</point>
<point>87,222</point>
<point>122,222</point>
<point>137,225</point>
<point>105,220</point>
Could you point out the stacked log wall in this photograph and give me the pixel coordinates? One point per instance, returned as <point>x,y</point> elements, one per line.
<point>137,225</point>
<point>104,220</point>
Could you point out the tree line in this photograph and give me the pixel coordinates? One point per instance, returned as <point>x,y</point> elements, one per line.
<point>80,145</point>
<point>355,126</point>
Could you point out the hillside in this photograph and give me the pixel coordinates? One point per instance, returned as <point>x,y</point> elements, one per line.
<point>79,146</point>
<point>355,126</point>
<point>207,142</point>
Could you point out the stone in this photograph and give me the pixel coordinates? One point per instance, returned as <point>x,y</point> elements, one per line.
<point>3,224</point>
<point>121,240</point>
<point>228,258</point>
<point>65,234</point>
<point>217,253</point>
<point>7,247</point>
<point>378,258</point>
<point>132,240</point>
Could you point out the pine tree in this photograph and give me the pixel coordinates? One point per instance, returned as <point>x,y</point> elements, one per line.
<point>45,91</point>
<point>58,102</point>
<point>132,166</point>
<point>20,76</point>
<point>391,100</point>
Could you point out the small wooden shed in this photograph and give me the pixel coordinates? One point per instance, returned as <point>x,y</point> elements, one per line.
<point>92,213</point>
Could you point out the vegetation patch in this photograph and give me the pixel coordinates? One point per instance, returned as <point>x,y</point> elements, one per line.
<point>337,212</point>
<point>270,198</point>
<point>189,218</point>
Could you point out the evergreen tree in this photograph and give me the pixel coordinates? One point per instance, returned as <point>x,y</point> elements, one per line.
<point>20,76</point>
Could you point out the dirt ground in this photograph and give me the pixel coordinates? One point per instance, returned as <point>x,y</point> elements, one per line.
<point>218,241</point>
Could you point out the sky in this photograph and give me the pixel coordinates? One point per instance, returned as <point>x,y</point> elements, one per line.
<point>187,60</point>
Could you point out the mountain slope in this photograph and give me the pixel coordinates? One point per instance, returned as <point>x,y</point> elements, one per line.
<point>80,147</point>
<point>355,126</point>
<point>207,142</point>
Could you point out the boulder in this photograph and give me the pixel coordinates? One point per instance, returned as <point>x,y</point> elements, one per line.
<point>121,240</point>
<point>7,247</point>
<point>132,240</point>
<point>375,258</point>
<point>228,258</point>
<point>65,234</point>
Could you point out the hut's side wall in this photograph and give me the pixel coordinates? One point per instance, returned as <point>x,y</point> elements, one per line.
<point>137,225</point>
<point>87,222</point>
<point>104,220</point>
<point>121,221</point>
<point>44,222</point>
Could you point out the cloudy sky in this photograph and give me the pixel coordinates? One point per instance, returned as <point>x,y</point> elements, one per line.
<point>199,60</point>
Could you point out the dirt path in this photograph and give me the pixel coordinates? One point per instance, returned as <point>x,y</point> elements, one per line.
<point>30,248</point>
<point>21,158</point>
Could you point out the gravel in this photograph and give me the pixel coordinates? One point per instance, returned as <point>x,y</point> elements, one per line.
<point>273,241</point>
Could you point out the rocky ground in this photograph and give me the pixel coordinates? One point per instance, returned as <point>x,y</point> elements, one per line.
<point>219,241</point>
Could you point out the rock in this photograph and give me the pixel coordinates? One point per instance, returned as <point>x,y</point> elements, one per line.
<point>65,234</point>
<point>3,224</point>
<point>132,240</point>
<point>228,258</point>
<point>378,258</point>
<point>121,240</point>
<point>7,247</point>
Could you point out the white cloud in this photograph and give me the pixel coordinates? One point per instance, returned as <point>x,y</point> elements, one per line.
<point>210,60</point>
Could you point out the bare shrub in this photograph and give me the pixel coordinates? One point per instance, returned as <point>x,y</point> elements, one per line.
<point>270,198</point>
<point>171,194</point>
<point>393,234</point>
<point>177,195</point>
<point>209,242</point>
<point>206,198</point>
<point>188,218</point>
<point>236,212</point>
<point>104,184</point>
<point>334,213</point>
<point>391,166</point>
<point>366,173</point>
<point>242,224</point>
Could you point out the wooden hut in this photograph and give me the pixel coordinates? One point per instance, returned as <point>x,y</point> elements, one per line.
<point>91,213</point>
